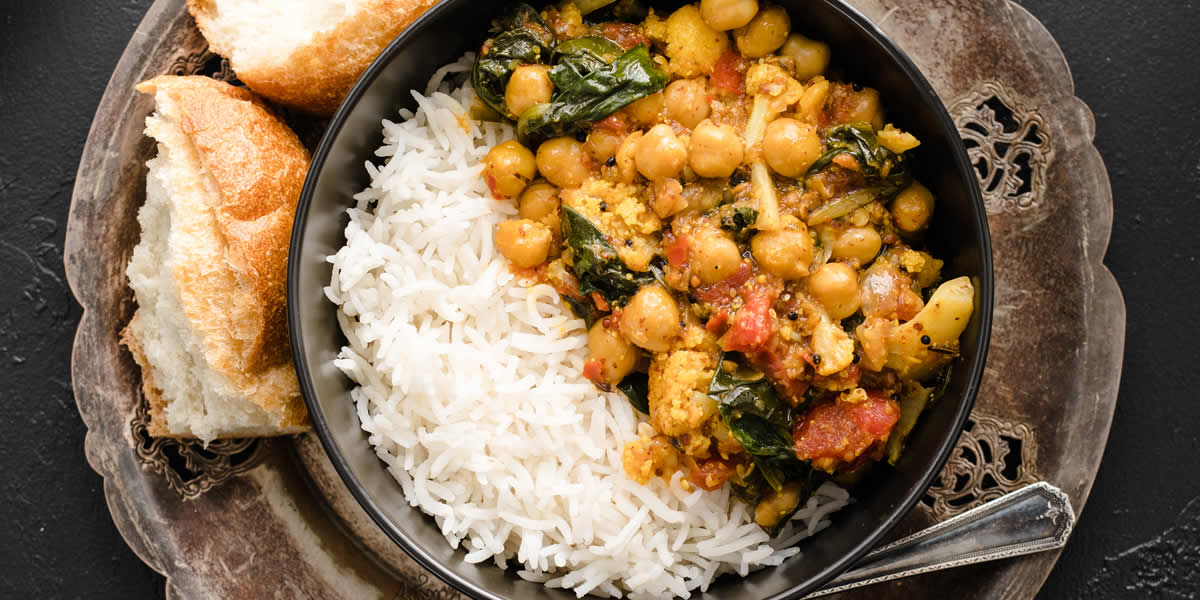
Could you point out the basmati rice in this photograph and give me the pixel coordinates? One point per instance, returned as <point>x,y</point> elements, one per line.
<point>470,387</point>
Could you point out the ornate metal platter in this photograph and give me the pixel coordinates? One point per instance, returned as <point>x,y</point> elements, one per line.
<point>251,519</point>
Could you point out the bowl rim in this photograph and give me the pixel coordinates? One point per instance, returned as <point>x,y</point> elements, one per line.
<point>985,291</point>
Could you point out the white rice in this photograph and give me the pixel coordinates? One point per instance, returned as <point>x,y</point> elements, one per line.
<point>471,391</point>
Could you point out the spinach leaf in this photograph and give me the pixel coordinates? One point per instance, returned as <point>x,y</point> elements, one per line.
<point>597,265</point>
<point>753,487</point>
<point>737,219</point>
<point>881,166</point>
<point>585,94</point>
<point>584,309</point>
<point>759,420</point>
<point>941,383</point>
<point>912,403</point>
<point>584,55</point>
<point>750,486</point>
<point>636,387</point>
<point>520,37</point>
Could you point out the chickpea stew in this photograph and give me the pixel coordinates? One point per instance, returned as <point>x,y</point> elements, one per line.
<point>742,233</point>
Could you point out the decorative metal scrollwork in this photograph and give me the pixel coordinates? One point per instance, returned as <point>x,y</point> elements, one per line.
<point>203,62</point>
<point>424,587</point>
<point>993,458</point>
<point>1009,145</point>
<point>189,467</point>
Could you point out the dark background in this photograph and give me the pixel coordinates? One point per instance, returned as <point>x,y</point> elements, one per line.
<point>1137,64</point>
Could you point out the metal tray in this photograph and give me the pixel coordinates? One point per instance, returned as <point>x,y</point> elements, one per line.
<point>256,519</point>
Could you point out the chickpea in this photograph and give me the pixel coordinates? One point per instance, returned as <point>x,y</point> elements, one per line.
<point>667,198</point>
<point>660,153</point>
<point>564,162</point>
<point>529,85</point>
<point>724,15</point>
<point>537,201</point>
<point>651,319</point>
<point>508,168</point>
<point>857,243</point>
<point>810,56</point>
<point>714,256</point>
<point>785,253</point>
<point>777,505</point>
<point>603,143</point>
<point>765,33</point>
<point>703,196</point>
<point>687,101</point>
<point>616,354</point>
<point>913,208</point>
<point>526,243</point>
<point>791,147</point>
<point>626,161</point>
<point>716,150</point>
<point>646,111</point>
<point>865,107</point>
<point>835,285</point>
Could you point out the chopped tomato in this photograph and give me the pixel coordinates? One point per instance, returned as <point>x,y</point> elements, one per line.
<point>786,364</point>
<point>720,291</point>
<point>837,433</point>
<point>711,474</point>
<point>601,304</point>
<point>717,323</point>
<point>877,416</point>
<point>752,325</point>
<point>845,379</point>
<point>615,122</point>
<point>728,73</point>
<point>625,35</point>
<point>593,370</point>
<point>677,251</point>
<point>846,161</point>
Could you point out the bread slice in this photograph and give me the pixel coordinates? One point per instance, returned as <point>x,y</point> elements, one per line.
<point>304,54</point>
<point>210,332</point>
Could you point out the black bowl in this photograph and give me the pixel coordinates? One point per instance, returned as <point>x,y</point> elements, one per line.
<point>866,56</point>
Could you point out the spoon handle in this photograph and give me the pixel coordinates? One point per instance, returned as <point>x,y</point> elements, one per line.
<point>1033,519</point>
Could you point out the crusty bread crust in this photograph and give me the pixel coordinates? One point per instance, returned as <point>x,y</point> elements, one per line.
<point>258,165</point>
<point>158,416</point>
<point>316,77</point>
<point>237,308</point>
<point>294,417</point>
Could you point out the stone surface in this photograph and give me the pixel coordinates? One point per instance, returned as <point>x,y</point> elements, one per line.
<point>1138,76</point>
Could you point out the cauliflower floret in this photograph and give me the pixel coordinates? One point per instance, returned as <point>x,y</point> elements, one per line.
<point>771,81</point>
<point>566,21</point>
<point>614,208</point>
<point>695,337</point>
<point>648,457</point>
<point>692,45</point>
<point>912,261</point>
<point>836,349</point>
<point>925,269</point>
<point>679,403</point>
<point>808,108</point>
<point>873,337</point>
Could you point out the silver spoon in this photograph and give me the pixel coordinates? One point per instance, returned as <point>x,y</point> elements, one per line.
<point>1032,519</point>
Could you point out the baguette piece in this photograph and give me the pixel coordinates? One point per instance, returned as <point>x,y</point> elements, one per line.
<point>307,54</point>
<point>210,332</point>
